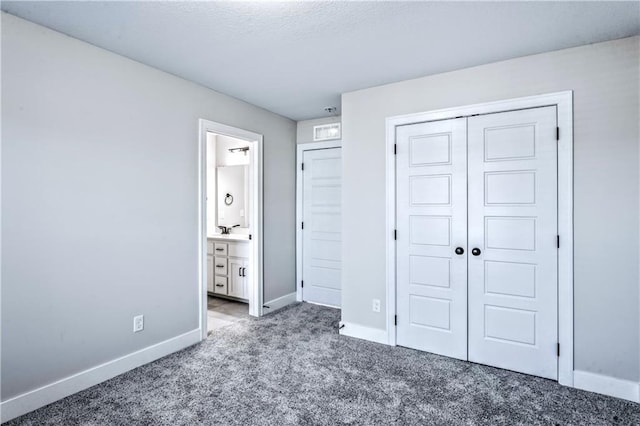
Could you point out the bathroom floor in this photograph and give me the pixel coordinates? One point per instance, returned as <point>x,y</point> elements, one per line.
<point>224,312</point>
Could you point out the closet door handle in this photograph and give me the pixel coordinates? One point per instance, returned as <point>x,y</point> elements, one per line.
<point>239,272</point>
<point>244,272</point>
<point>476,251</point>
<point>459,250</point>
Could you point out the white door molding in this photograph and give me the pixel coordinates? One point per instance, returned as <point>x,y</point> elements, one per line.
<point>256,291</point>
<point>301,148</point>
<point>564,103</point>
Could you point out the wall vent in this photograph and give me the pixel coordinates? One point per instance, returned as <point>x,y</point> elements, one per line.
<point>326,132</point>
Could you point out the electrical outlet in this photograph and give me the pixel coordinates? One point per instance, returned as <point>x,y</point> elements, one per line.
<point>138,323</point>
<point>376,305</point>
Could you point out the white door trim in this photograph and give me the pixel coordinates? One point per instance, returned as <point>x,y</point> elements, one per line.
<point>564,103</point>
<point>256,293</point>
<point>301,148</point>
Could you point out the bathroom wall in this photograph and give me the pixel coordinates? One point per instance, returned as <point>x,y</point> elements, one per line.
<point>226,158</point>
<point>218,155</point>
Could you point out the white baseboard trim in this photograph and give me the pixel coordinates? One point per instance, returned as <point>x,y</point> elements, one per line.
<point>366,333</point>
<point>55,391</point>
<point>280,302</point>
<point>323,304</point>
<point>606,385</point>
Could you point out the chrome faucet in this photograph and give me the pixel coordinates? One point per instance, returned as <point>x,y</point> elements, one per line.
<point>226,230</point>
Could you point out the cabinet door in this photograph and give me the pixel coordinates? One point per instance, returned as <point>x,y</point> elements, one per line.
<point>236,280</point>
<point>210,274</point>
<point>245,278</point>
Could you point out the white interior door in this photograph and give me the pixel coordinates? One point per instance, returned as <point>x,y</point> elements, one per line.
<point>321,234</point>
<point>513,314</point>
<point>431,223</point>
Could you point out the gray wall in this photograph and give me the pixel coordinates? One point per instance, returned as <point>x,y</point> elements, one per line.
<point>99,203</point>
<point>305,128</point>
<point>605,79</point>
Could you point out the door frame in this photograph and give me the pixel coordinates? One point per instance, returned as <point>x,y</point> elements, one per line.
<point>301,148</point>
<point>563,101</point>
<point>256,292</point>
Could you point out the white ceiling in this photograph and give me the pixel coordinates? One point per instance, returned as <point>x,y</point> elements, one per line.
<point>294,58</point>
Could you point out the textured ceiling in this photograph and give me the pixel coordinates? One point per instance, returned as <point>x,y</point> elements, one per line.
<point>294,58</point>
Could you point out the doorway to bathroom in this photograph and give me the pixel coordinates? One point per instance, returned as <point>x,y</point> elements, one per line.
<point>230,225</point>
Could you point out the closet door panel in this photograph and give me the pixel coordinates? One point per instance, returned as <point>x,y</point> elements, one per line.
<point>322,234</point>
<point>431,223</point>
<point>513,224</point>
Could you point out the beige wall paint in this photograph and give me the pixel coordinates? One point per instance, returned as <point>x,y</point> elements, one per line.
<point>100,203</point>
<point>605,80</point>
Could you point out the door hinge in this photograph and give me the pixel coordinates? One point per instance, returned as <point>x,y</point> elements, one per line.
<point>558,240</point>
<point>557,133</point>
<point>395,149</point>
<point>558,350</point>
<point>395,320</point>
<point>302,168</point>
<point>302,225</point>
<point>301,283</point>
<point>395,234</point>
<point>250,236</point>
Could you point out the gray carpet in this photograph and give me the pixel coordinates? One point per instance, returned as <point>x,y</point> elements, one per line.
<point>292,367</point>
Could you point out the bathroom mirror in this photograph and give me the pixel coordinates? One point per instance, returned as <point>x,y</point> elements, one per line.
<point>232,192</point>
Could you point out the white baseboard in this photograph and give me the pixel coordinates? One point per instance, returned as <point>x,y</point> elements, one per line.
<point>323,304</point>
<point>280,302</point>
<point>366,333</point>
<point>607,385</point>
<point>52,392</point>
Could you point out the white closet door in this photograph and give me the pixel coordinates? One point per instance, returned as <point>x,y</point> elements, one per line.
<point>431,223</point>
<point>513,224</point>
<point>321,236</point>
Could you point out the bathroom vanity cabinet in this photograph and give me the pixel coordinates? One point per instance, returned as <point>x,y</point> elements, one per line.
<point>228,268</point>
